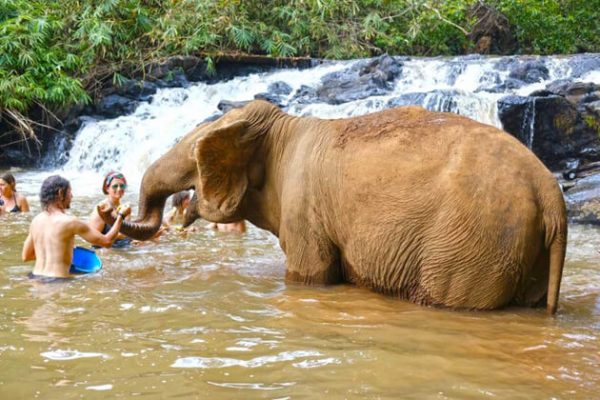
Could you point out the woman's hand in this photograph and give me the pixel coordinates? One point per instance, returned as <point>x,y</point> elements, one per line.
<point>124,210</point>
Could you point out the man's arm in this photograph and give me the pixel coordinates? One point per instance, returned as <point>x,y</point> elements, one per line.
<point>90,234</point>
<point>96,222</point>
<point>28,253</point>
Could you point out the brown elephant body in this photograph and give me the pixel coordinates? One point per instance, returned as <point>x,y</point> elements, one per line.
<point>431,207</point>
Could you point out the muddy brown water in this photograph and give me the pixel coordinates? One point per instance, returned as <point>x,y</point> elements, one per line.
<point>210,316</point>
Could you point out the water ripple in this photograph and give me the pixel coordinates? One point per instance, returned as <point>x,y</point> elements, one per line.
<point>64,355</point>
<point>221,362</point>
<point>99,388</point>
<point>252,386</point>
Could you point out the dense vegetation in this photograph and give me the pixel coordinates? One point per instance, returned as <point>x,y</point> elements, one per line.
<point>53,51</point>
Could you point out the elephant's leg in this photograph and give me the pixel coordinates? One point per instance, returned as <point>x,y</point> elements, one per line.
<point>311,256</point>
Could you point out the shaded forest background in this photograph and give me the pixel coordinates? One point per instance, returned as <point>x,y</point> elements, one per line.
<point>57,53</point>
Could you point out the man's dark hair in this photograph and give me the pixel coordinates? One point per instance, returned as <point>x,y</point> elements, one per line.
<point>51,189</point>
<point>179,197</point>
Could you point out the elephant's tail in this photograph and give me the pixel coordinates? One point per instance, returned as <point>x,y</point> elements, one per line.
<point>556,242</point>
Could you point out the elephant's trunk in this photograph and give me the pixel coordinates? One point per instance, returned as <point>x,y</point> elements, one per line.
<point>149,219</point>
<point>169,174</point>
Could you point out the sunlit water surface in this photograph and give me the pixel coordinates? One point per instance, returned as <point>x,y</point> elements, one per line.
<point>210,316</point>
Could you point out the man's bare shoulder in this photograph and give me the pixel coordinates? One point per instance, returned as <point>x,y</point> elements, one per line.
<point>45,218</point>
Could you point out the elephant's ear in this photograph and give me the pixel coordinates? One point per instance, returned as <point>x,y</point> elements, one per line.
<point>222,157</point>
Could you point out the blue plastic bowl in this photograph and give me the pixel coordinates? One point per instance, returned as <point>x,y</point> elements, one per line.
<point>85,261</point>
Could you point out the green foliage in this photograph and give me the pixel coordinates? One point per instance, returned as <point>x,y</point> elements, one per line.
<point>553,26</point>
<point>34,66</point>
<point>54,52</point>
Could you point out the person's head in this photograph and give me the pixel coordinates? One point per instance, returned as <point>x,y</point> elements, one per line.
<point>181,200</point>
<point>55,190</point>
<point>8,185</point>
<point>114,184</point>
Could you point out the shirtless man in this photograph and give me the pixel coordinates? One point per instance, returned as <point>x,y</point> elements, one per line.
<point>52,232</point>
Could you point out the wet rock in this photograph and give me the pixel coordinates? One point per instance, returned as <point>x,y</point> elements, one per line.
<point>174,80</point>
<point>135,90</point>
<point>594,108</point>
<point>506,63</point>
<point>407,99</point>
<point>372,77</point>
<point>585,96</point>
<point>583,200</point>
<point>570,167</point>
<point>506,86</point>
<point>530,72</point>
<point>280,88</point>
<point>278,100</point>
<point>115,105</point>
<point>277,93</point>
<point>172,70</point>
<point>551,126</point>
<point>581,64</point>
<point>578,93</point>
<point>305,95</point>
<point>227,105</point>
<point>514,113</point>
<point>17,155</point>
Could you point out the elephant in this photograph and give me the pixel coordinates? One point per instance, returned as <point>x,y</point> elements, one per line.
<point>434,208</point>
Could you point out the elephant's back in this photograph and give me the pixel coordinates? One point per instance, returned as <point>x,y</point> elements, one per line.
<point>443,196</point>
<point>410,124</point>
<point>421,145</point>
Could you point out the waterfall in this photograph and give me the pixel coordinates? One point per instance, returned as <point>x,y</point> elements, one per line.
<point>467,85</point>
<point>531,118</point>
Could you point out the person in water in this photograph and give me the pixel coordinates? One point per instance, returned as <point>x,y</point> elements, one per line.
<point>51,235</point>
<point>10,200</point>
<point>179,202</point>
<point>113,186</point>
<point>237,226</point>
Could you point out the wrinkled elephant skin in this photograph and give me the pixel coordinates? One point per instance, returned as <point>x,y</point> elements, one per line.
<point>430,207</point>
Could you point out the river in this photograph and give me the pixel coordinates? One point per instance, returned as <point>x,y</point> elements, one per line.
<point>209,315</point>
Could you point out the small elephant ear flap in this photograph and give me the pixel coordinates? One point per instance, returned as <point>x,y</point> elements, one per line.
<point>222,157</point>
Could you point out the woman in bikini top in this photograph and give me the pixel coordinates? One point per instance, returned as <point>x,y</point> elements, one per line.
<point>113,186</point>
<point>8,195</point>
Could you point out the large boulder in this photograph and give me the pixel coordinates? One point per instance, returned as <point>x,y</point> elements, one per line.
<point>521,71</point>
<point>277,93</point>
<point>530,71</point>
<point>583,200</point>
<point>581,64</point>
<point>115,105</point>
<point>367,78</point>
<point>176,71</point>
<point>555,123</point>
<point>577,93</point>
<point>135,90</point>
<point>407,99</point>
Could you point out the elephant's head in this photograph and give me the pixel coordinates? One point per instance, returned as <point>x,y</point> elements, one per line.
<point>215,159</point>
